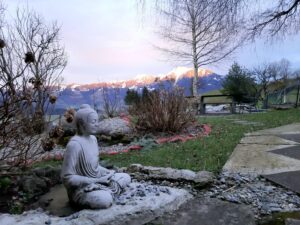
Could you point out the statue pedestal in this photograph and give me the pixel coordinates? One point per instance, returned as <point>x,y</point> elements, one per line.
<point>139,210</point>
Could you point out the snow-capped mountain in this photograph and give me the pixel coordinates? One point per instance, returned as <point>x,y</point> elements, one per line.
<point>144,79</point>
<point>74,95</point>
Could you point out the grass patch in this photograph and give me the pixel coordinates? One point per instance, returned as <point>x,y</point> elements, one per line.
<point>208,153</point>
<point>273,118</point>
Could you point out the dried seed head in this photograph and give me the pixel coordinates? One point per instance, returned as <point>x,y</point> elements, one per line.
<point>56,132</point>
<point>48,144</point>
<point>29,57</point>
<point>2,43</point>
<point>52,99</point>
<point>69,115</point>
<point>37,83</point>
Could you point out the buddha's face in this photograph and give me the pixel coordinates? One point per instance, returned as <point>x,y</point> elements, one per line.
<point>91,125</point>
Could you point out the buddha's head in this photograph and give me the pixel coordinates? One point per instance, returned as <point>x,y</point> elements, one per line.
<point>86,120</point>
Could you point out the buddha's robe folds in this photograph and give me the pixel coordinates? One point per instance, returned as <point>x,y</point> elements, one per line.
<point>81,172</point>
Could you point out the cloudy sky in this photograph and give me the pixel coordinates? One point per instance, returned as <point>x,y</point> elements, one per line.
<point>106,40</point>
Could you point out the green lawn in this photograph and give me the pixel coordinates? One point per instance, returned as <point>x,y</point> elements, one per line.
<point>208,153</point>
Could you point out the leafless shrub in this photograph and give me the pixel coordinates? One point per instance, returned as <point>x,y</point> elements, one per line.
<point>162,111</point>
<point>31,61</point>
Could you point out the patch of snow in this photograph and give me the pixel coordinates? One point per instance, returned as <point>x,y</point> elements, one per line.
<point>219,108</point>
<point>63,86</point>
<point>180,70</point>
<point>151,89</point>
<point>143,77</point>
<point>133,88</point>
<point>73,86</point>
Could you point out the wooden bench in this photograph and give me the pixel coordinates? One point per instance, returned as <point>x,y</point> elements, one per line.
<point>226,99</point>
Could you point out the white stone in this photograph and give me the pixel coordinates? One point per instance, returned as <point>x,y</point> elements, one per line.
<point>143,211</point>
<point>114,127</point>
<point>202,177</point>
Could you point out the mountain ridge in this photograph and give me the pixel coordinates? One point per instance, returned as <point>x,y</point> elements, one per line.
<point>144,79</point>
<point>73,95</point>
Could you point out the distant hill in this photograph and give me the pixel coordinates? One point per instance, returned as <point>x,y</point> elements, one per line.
<point>74,95</point>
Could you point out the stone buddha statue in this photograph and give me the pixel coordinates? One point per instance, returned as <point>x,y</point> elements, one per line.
<point>88,184</point>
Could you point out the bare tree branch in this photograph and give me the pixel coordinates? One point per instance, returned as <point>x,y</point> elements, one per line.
<point>31,62</point>
<point>278,19</point>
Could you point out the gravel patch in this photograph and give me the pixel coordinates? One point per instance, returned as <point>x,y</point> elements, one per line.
<point>262,196</point>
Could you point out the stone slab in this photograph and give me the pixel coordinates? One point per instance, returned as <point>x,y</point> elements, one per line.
<point>289,180</point>
<point>142,211</point>
<point>267,140</point>
<point>201,178</point>
<point>292,152</point>
<point>208,212</point>
<point>257,159</point>
<point>291,137</point>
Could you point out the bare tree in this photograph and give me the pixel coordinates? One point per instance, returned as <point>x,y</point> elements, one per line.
<point>199,32</point>
<point>278,18</point>
<point>285,68</point>
<point>296,75</point>
<point>49,58</point>
<point>281,74</point>
<point>278,73</point>
<point>263,75</point>
<point>111,101</point>
<point>31,61</point>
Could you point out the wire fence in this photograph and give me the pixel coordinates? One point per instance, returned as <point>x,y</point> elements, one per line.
<point>286,96</point>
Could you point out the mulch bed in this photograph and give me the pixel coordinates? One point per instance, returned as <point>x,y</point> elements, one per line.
<point>195,131</point>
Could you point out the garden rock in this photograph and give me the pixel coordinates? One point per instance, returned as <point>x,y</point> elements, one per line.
<point>201,178</point>
<point>114,127</point>
<point>141,204</point>
<point>208,212</point>
<point>34,185</point>
<point>50,172</point>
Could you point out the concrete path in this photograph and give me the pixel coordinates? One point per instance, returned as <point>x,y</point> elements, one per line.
<point>265,152</point>
<point>292,222</point>
<point>273,153</point>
